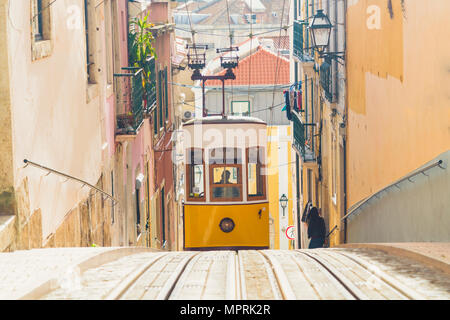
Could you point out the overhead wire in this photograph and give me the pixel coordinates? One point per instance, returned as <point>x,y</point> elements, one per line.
<point>231,46</point>
<point>274,88</point>
<point>250,52</point>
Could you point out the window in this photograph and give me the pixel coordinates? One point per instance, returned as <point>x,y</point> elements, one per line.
<point>40,29</point>
<point>309,182</point>
<point>108,13</point>
<point>89,37</point>
<point>240,108</point>
<point>161,97</point>
<point>196,175</point>
<point>138,213</point>
<point>40,10</point>
<point>37,21</point>
<point>225,174</point>
<point>255,174</point>
<point>163,217</point>
<point>334,167</point>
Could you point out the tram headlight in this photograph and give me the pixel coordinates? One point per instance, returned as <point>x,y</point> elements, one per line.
<point>226,225</point>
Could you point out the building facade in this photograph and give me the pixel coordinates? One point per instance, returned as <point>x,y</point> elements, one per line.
<point>81,133</point>
<point>371,136</point>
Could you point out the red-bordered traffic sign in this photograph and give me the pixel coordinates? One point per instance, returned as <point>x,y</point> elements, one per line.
<point>290,232</point>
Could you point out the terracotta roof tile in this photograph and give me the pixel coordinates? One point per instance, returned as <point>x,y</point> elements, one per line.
<point>258,69</point>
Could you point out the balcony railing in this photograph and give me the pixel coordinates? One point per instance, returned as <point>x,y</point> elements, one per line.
<point>302,142</point>
<point>325,79</point>
<point>130,93</point>
<point>299,45</point>
<point>150,86</point>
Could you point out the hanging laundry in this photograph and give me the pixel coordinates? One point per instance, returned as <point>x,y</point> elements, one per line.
<point>288,104</point>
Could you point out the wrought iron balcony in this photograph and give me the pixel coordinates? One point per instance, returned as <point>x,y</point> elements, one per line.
<point>130,95</point>
<point>300,51</point>
<point>325,79</point>
<point>303,140</point>
<point>150,85</point>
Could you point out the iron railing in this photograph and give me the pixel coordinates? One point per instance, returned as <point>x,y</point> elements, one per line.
<point>150,86</point>
<point>130,100</point>
<point>325,79</point>
<point>69,177</point>
<point>301,143</point>
<point>360,204</point>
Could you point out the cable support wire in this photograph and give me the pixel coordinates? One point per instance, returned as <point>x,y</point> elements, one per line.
<point>226,35</point>
<point>280,86</point>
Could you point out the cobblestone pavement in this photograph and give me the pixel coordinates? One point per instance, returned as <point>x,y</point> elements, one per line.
<point>139,273</point>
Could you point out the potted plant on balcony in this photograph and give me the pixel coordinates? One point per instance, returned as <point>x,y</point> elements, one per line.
<point>125,123</point>
<point>140,39</point>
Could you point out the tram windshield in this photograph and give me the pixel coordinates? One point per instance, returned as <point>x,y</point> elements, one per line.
<point>225,174</point>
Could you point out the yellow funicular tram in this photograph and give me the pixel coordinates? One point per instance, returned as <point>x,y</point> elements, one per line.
<point>226,205</point>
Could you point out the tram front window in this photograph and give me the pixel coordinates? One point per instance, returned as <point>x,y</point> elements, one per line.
<point>196,174</point>
<point>227,179</point>
<point>225,174</point>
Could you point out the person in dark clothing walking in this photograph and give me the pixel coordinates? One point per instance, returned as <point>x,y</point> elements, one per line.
<point>316,229</point>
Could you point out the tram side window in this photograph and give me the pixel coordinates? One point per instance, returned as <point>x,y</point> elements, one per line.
<point>255,173</point>
<point>225,174</point>
<point>195,169</point>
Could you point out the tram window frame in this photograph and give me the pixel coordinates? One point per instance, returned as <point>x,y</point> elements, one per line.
<point>223,162</point>
<point>189,169</point>
<point>260,162</point>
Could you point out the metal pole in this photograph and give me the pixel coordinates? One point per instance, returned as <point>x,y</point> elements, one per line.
<point>223,98</point>
<point>203,97</point>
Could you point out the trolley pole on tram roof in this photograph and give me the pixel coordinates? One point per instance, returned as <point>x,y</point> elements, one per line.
<point>197,61</point>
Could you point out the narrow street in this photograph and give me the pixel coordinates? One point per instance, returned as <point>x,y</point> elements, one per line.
<point>237,150</point>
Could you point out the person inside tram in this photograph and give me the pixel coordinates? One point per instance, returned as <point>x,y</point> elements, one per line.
<point>316,229</point>
<point>226,174</point>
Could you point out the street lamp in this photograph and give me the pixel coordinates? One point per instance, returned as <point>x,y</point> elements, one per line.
<point>320,31</point>
<point>283,202</point>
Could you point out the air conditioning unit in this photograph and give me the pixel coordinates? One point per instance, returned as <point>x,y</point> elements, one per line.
<point>188,115</point>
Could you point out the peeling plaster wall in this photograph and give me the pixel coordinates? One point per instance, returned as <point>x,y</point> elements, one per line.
<point>7,205</point>
<point>55,123</point>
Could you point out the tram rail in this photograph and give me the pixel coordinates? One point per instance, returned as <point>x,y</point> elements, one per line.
<point>327,274</point>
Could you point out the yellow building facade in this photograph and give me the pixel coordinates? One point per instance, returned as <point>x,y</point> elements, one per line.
<point>375,112</point>
<point>281,163</point>
<point>398,85</point>
<point>398,90</point>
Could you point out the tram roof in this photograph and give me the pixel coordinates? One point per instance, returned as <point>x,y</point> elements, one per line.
<point>224,120</point>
